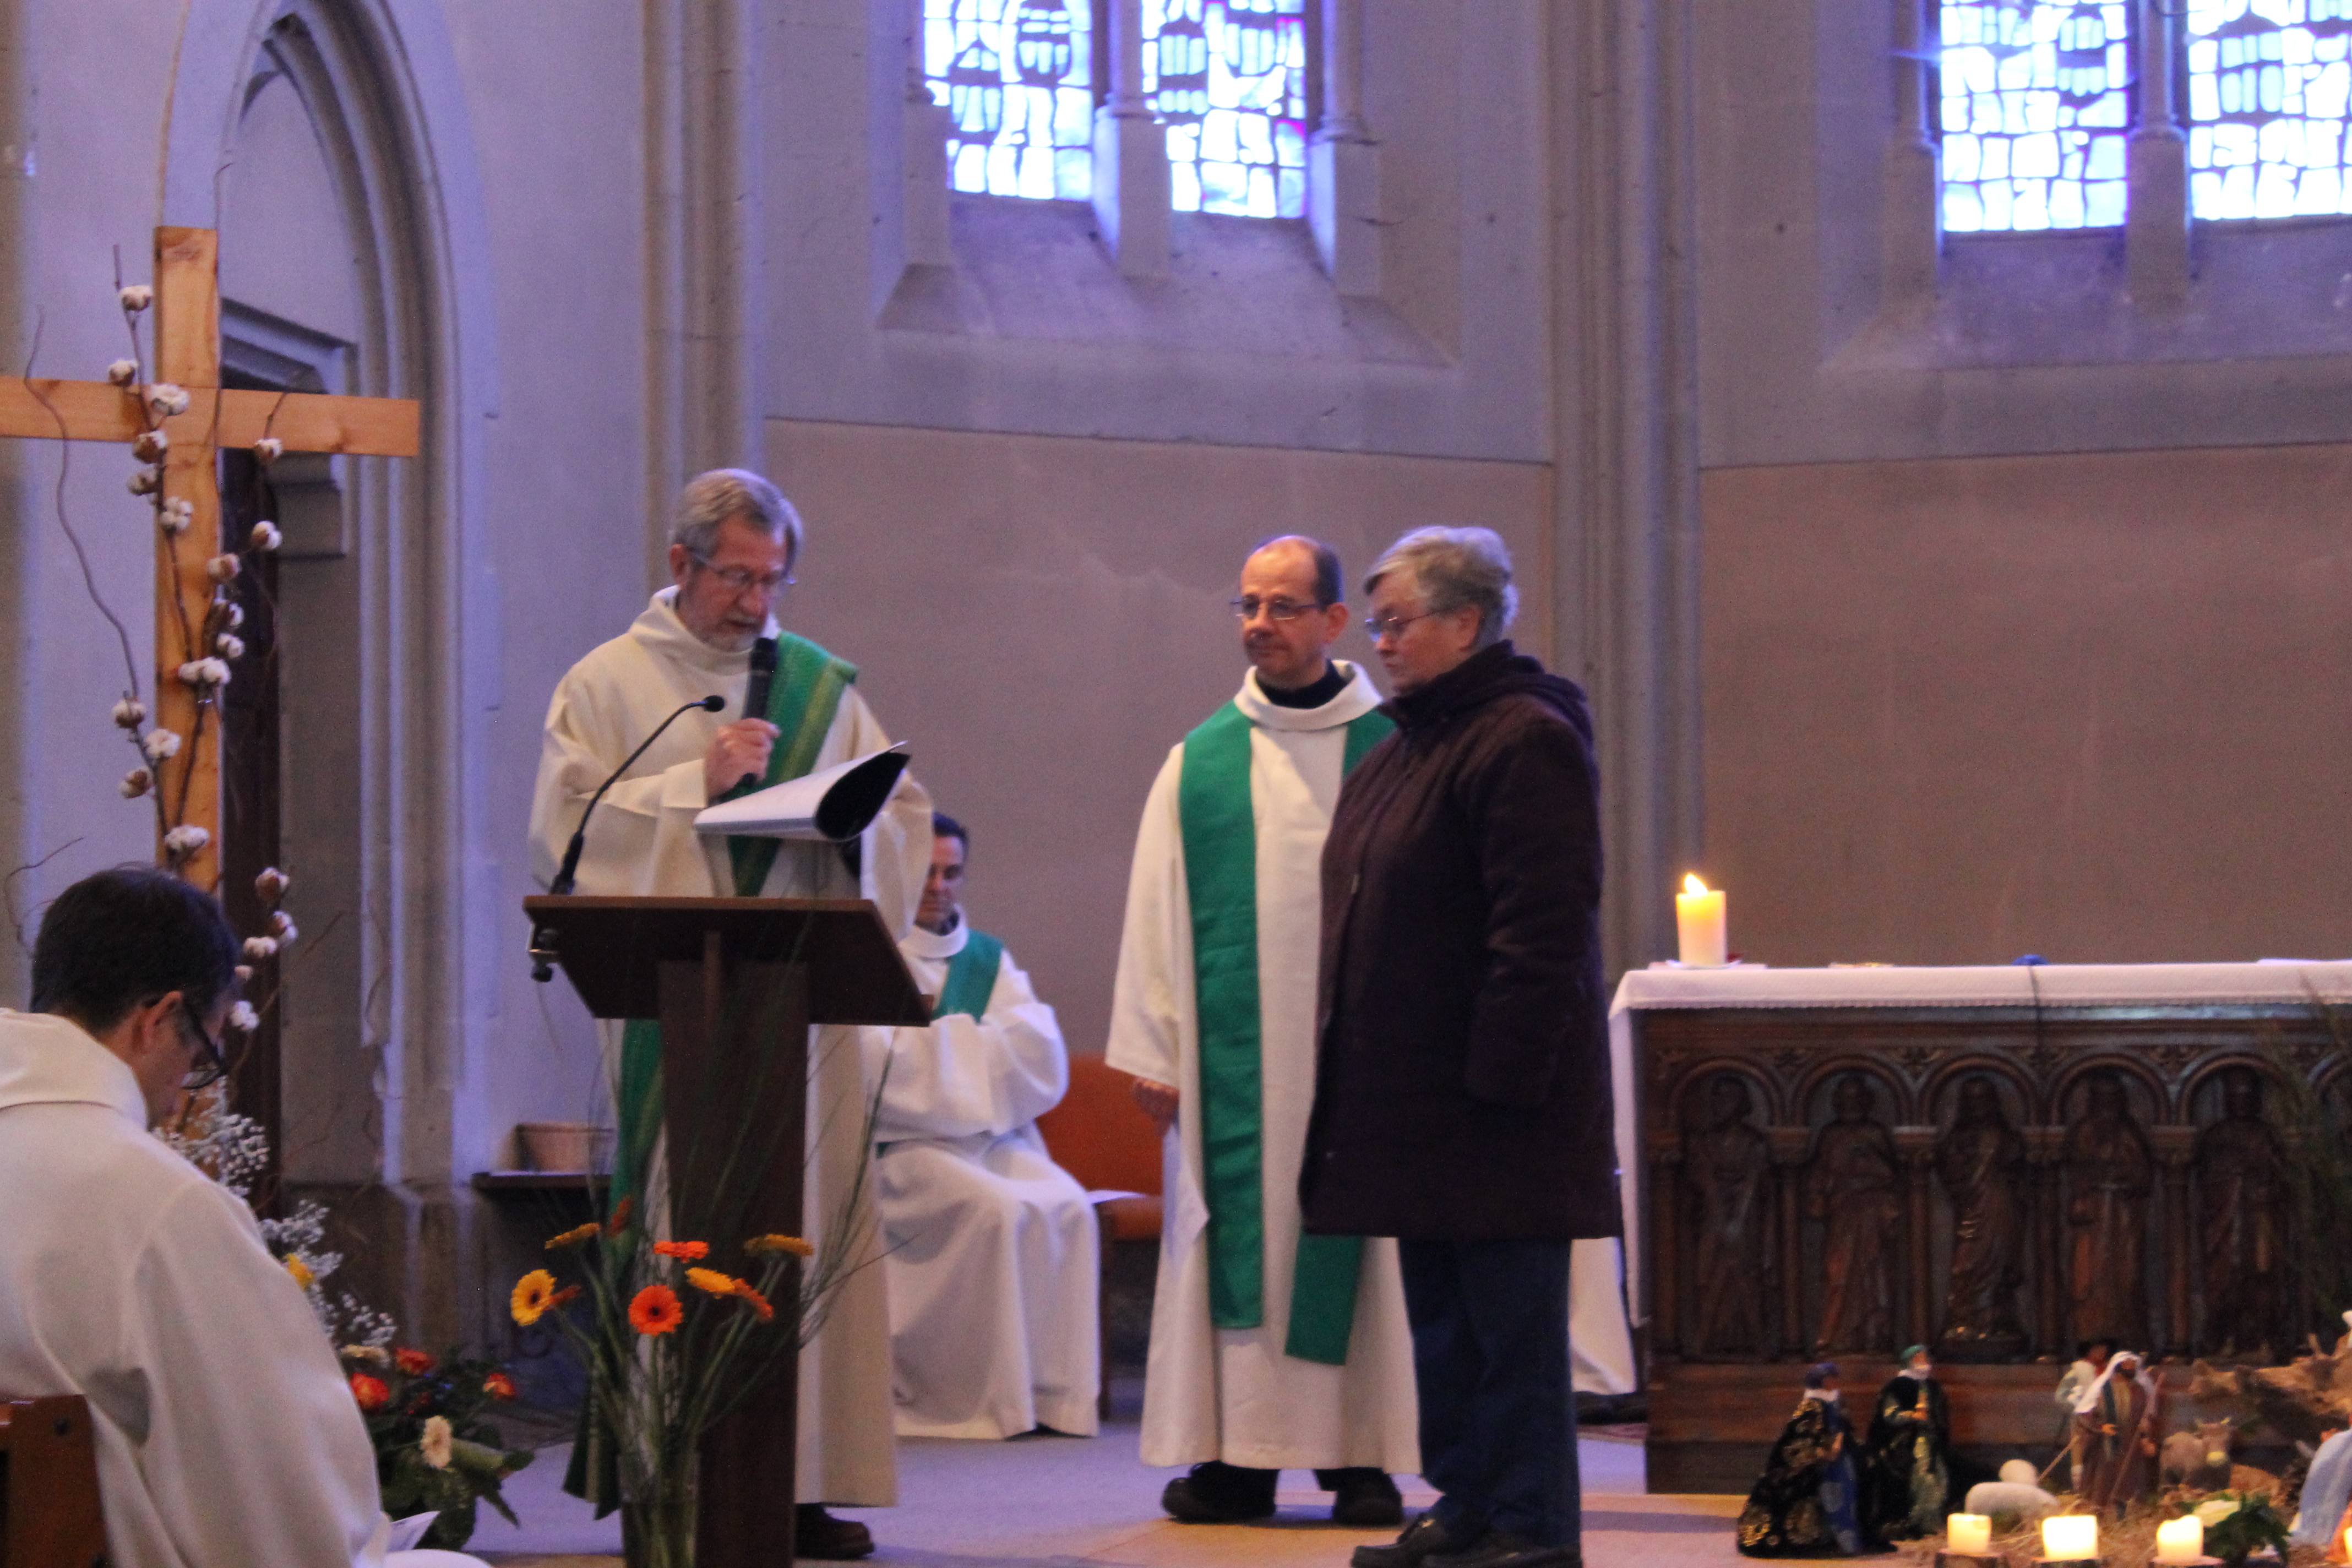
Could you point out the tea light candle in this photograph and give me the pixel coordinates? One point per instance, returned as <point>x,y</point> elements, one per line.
<point>1970,1534</point>
<point>2071,1537</point>
<point>2180,1540</point>
<point>1698,920</point>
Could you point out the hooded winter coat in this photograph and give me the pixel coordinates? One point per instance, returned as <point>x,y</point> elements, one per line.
<point>1462,1072</point>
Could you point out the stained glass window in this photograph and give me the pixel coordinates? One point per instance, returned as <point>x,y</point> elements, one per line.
<point>2037,98</point>
<point>1229,77</point>
<point>1017,79</point>
<point>2267,85</point>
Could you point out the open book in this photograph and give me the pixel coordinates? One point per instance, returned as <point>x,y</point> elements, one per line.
<point>834,804</point>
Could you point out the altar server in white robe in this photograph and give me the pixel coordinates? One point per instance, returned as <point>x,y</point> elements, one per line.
<point>227,1436</point>
<point>732,552</point>
<point>994,1272</point>
<point>1270,1350</point>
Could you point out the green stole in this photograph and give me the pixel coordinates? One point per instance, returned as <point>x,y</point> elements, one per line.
<point>972,977</point>
<point>1220,835</point>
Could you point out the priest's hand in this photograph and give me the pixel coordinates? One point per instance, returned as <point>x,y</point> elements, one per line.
<point>1159,1102</point>
<point>737,749</point>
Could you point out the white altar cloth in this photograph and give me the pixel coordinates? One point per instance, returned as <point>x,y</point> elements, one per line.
<point>2269,981</point>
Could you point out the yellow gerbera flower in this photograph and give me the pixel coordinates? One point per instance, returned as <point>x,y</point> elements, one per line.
<point>534,1293</point>
<point>713,1282</point>
<point>574,1236</point>
<point>791,1244</point>
<point>302,1272</point>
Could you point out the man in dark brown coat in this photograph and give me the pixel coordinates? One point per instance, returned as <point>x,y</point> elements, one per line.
<point>1462,1091</point>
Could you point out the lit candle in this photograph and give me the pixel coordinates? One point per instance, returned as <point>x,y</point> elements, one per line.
<point>1970,1534</point>
<point>1698,916</point>
<point>2180,1540</point>
<point>2071,1537</point>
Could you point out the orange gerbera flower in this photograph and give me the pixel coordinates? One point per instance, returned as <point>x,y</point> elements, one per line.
<point>655,1310</point>
<point>791,1244</point>
<point>534,1293</point>
<point>302,1272</point>
<point>498,1385</point>
<point>371,1391</point>
<point>711,1281</point>
<point>620,1220</point>
<point>415,1364</point>
<point>574,1236</point>
<point>758,1303</point>
<point>692,1251</point>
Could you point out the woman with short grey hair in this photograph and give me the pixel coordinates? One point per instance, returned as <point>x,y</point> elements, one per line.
<point>1456,568</point>
<point>710,498</point>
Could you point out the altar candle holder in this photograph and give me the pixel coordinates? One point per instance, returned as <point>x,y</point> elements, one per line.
<point>1967,1542</point>
<point>2180,1543</point>
<point>2071,1539</point>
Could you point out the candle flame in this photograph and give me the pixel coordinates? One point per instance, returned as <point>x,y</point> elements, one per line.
<point>1691,884</point>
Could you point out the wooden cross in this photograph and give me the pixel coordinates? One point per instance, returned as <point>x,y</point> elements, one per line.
<point>188,354</point>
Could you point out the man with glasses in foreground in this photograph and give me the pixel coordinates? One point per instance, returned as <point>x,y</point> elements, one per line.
<point>226,1433</point>
<point>732,553</point>
<point>1270,1350</point>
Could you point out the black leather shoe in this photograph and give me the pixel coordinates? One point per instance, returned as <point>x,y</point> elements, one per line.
<point>817,1534</point>
<point>1423,1538</point>
<point>1502,1549</point>
<point>1218,1493</point>
<point>1363,1497</point>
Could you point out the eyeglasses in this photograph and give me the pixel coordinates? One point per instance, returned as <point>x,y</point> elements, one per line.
<point>210,1066</point>
<point>1249,605</point>
<point>1379,627</point>
<point>741,581</point>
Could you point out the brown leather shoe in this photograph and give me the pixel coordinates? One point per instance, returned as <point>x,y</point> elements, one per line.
<point>817,1534</point>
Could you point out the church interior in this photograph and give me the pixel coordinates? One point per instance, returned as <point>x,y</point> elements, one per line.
<point>1923,428</point>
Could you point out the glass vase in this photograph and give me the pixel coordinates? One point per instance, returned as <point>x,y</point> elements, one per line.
<point>658,1521</point>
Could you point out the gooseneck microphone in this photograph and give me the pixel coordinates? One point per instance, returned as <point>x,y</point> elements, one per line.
<point>755,691</point>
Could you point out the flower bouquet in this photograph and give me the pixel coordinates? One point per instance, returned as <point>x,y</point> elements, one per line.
<point>2239,1524</point>
<point>433,1451</point>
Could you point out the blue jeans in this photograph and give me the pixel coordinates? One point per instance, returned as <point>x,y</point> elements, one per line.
<point>1497,1406</point>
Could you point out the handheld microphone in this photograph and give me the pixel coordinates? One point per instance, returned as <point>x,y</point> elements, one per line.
<point>755,691</point>
<point>543,967</point>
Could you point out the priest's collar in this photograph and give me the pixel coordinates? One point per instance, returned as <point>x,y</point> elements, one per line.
<point>1356,699</point>
<point>921,943</point>
<point>660,630</point>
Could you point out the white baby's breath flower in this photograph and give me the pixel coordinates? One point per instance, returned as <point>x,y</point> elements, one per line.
<point>272,884</point>
<point>143,481</point>
<point>258,948</point>
<point>130,714</point>
<point>136,296</point>
<point>123,371</point>
<point>266,536</point>
<point>242,1019</point>
<point>161,745</point>
<point>267,450</point>
<point>435,1443</point>
<point>228,645</point>
<point>202,673</point>
<point>149,446</point>
<point>221,568</point>
<point>166,399</point>
<point>185,840</point>
<point>135,782</point>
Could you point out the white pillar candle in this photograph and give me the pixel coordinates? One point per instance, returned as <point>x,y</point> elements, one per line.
<point>1698,918</point>
<point>1970,1534</point>
<point>2180,1540</point>
<point>2071,1537</point>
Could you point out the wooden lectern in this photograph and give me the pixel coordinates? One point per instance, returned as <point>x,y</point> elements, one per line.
<point>735,983</point>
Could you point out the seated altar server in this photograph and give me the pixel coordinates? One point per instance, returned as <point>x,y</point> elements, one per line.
<point>226,1433</point>
<point>993,1269</point>
<point>733,549</point>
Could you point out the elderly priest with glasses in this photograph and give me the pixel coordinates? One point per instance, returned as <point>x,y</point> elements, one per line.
<point>732,552</point>
<point>225,1431</point>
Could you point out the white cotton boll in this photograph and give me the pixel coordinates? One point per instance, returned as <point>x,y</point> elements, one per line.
<point>244,972</point>
<point>222,568</point>
<point>228,645</point>
<point>161,745</point>
<point>235,617</point>
<point>266,536</point>
<point>143,481</point>
<point>165,399</point>
<point>201,673</point>
<point>130,714</point>
<point>151,446</point>
<point>258,948</point>
<point>136,296</point>
<point>282,928</point>
<point>135,782</point>
<point>242,1019</point>
<point>185,840</point>
<point>272,884</point>
<point>267,450</point>
<point>123,371</point>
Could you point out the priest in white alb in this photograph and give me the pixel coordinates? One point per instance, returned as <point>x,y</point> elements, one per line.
<point>993,1267</point>
<point>732,552</point>
<point>1270,1350</point>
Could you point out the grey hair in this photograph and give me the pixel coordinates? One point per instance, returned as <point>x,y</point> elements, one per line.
<point>1454,567</point>
<point>710,498</point>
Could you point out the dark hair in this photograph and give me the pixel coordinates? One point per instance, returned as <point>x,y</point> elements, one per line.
<point>946,827</point>
<point>1819,1372</point>
<point>126,936</point>
<point>1328,574</point>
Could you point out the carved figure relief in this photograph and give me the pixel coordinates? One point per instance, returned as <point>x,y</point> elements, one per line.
<point>1981,1164</point>
<point>1729,1165</point>
<point>2109,1174</point>
<point>1852,1186</point>
<point>2241,1216</point>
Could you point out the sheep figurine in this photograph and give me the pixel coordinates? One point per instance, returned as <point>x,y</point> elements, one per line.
<point>2018,1495</point>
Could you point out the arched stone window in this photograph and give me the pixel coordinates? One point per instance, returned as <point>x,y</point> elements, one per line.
<point>2036,103</point>
<point>2267,89</point>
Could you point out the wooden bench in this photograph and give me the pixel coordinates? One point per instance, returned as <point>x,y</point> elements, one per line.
<point>50,1515</point>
